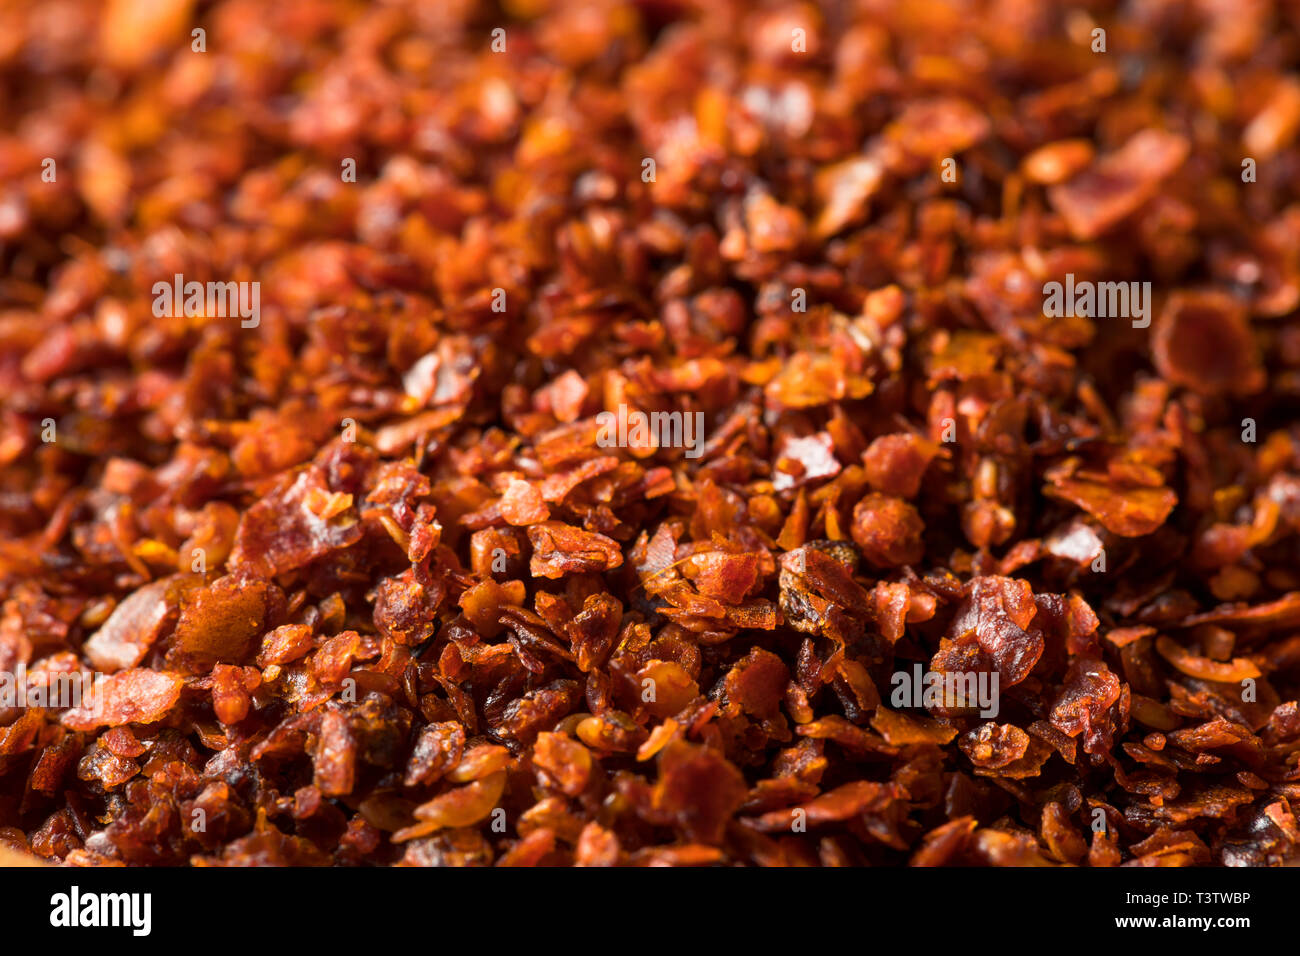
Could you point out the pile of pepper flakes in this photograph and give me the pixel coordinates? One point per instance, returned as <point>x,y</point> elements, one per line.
<point>367,587</point>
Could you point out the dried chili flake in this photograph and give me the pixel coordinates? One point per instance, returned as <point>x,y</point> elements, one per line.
<point>137,696</point>
<point>360,573</point>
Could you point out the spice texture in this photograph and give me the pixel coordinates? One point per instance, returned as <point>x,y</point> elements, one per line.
<point>661,433</point>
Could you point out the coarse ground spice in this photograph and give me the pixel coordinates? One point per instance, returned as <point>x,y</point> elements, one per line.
<point>369,582</point>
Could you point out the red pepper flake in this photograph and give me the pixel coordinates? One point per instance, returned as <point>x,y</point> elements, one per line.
<point>136,696</point>
<point>365,574</point>
<point>1204,342</point>
<point>522,504</point>
<point>560,549</point>
<point>1119,183</point>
